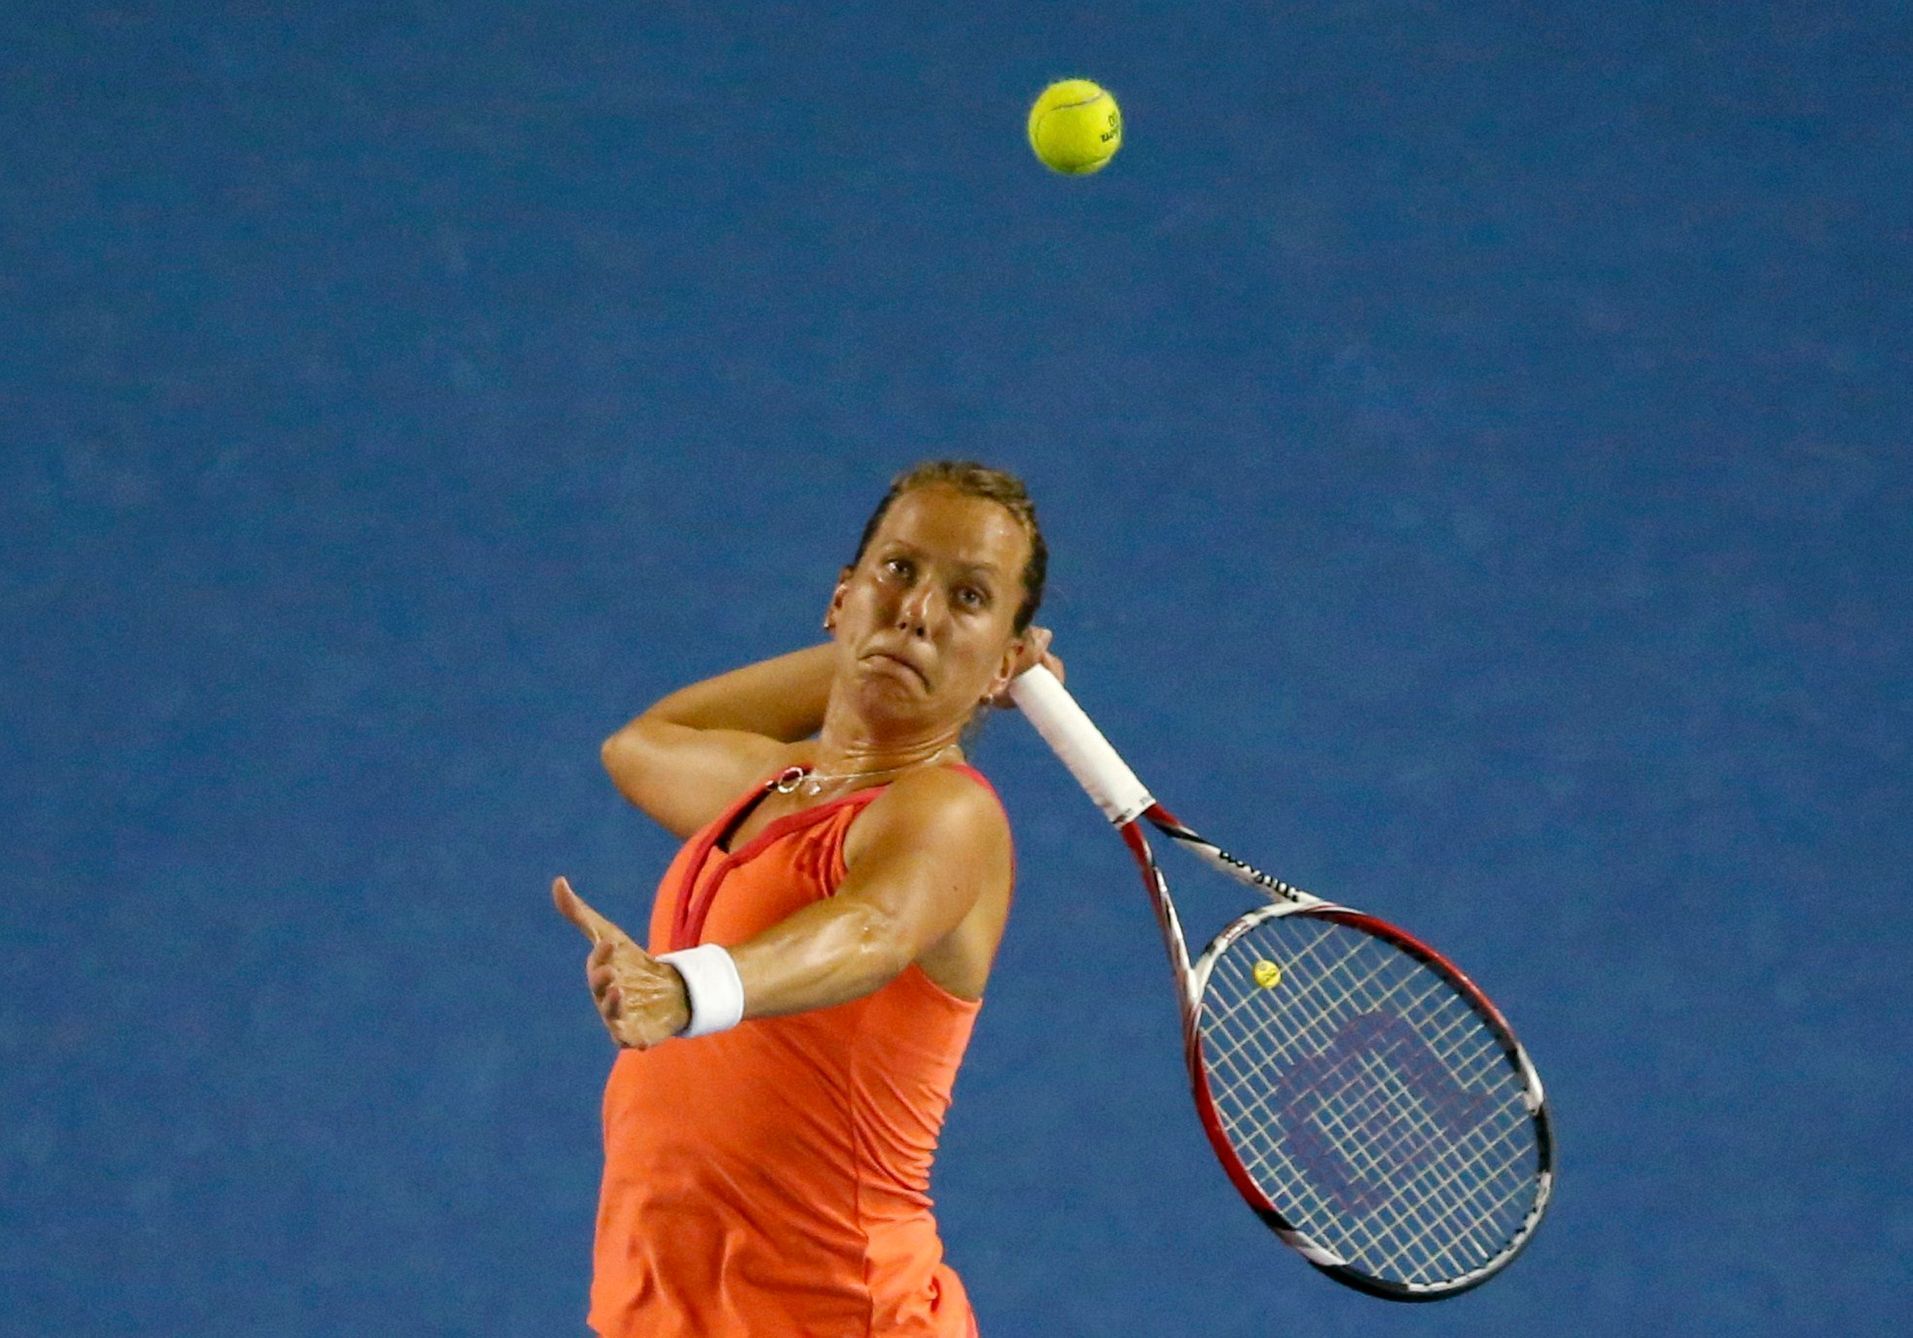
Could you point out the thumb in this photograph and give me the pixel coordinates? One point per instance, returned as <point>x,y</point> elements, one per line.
<point>572,906</point>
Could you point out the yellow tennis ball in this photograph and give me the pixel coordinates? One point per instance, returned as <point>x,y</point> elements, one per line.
<point>1075,127</point>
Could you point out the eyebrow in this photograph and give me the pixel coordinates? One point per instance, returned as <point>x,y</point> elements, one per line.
<point>987,568</point>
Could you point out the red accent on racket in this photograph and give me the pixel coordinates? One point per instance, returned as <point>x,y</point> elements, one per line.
<point>1363,1095</point>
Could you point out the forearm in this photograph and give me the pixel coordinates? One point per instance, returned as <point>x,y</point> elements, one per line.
<point>781,698</point>
<point>828,953</point>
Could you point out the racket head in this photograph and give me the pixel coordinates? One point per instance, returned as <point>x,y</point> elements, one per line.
<point>1368,1101</point>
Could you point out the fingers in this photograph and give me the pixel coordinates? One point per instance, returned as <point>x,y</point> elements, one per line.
<point>615,965</point>
<point>571,907</point>
<point>602,979</point>
<point>1034,652</point>
<point>1029,654</point>
<point>591,924</point>
<point>640,1000</point>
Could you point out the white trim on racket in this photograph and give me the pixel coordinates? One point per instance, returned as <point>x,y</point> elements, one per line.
<point>1080,745</point>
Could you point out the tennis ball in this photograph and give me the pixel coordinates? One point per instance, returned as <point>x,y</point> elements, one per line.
<point>1075,127</point>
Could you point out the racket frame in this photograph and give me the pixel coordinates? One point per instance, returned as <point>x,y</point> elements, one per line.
<point>1128,804</point>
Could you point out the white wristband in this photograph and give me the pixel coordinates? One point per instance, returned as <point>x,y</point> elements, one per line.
<point>712,987</point>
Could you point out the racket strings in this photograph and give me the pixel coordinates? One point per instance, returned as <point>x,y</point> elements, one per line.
<point>1378,1159</point>
<point>1373,1158</point>
<point>1370,1156</point>
<point>1368,1099</point>
<point>1413,1234</point>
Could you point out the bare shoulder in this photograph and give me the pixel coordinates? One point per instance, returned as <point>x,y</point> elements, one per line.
<point>940,811</point>
<point>934,849</point>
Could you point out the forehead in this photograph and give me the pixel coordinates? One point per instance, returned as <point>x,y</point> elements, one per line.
<point>957,527</point>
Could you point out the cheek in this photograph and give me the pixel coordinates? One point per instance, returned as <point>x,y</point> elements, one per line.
<point>863,597</point>
<point>985,653</point>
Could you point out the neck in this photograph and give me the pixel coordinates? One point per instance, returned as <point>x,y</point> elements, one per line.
<point>849,744</point>
<point>857,757</point>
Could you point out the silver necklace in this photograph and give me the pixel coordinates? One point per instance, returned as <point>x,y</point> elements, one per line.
<point>813,782</point>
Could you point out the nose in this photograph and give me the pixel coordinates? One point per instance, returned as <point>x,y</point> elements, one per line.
<point>920,606</point>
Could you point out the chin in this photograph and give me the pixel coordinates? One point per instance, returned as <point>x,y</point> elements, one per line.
<point>894,701</point>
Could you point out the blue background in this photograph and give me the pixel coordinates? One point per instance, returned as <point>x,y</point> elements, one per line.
<point>1474,442</point>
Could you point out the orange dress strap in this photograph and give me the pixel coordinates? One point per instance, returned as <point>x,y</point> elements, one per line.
<point>697,889</point>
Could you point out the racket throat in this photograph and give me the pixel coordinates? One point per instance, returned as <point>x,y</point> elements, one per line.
<point>1173,941</point>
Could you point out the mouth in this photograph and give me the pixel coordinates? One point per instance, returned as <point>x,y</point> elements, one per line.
<point>887,657</point>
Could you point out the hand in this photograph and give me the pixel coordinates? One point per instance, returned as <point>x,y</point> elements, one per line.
<point>1036,650</point>
<point>641,999</point>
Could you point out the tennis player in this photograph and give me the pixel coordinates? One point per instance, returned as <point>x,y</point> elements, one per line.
<point>818,950</point>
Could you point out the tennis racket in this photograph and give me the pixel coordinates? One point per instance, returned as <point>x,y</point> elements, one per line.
<point>1364,1096</point>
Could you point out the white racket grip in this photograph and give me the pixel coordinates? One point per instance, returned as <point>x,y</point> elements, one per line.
<point>1075,739</point>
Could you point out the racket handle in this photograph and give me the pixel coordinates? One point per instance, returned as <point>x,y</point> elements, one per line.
<point>1075,739</point>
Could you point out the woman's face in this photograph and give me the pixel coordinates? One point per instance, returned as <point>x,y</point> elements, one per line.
<point>925,621</point>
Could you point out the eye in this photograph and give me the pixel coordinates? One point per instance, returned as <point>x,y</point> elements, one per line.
<point>901,567</point>
<point>971,597</point>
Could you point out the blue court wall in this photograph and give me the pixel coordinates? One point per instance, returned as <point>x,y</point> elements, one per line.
<point>1473,442</point>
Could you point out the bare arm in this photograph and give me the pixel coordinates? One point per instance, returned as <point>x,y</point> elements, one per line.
<point>695,751</point>
<point>922,857</point>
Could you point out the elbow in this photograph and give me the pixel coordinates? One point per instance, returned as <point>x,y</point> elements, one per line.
<point>622,753</point>
<point>880,951</point>
<point>627,761</point>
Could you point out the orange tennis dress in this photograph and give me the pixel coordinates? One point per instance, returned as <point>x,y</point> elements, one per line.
<point>772,1181</point>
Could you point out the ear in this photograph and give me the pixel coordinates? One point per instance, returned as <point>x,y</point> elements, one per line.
<point>837,600</point>
<point>1005,668</point>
